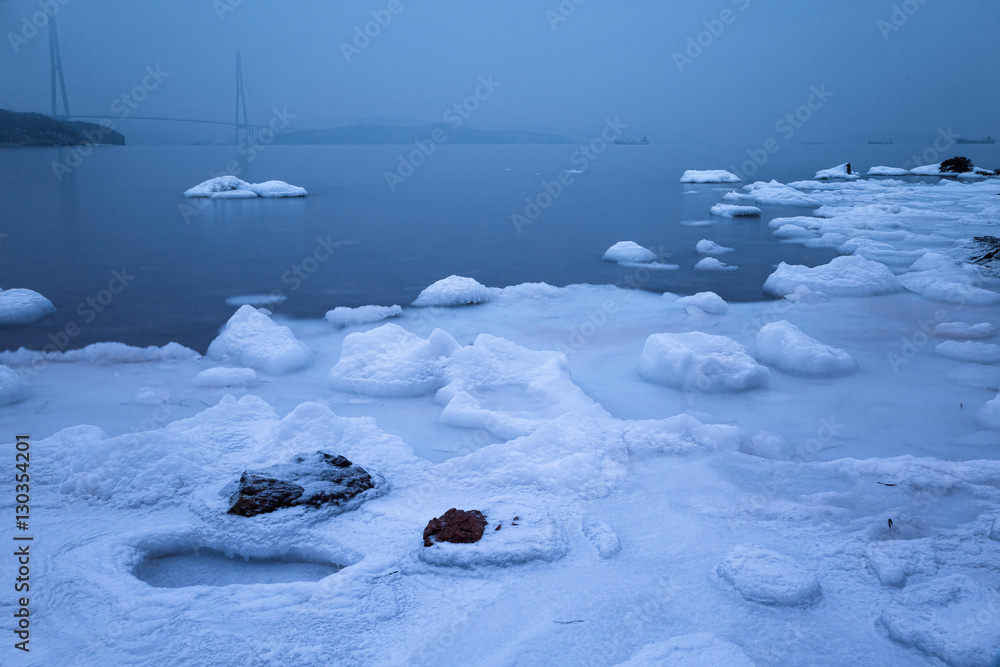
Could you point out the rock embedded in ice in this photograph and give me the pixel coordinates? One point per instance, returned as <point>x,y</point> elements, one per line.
<point>225,377</point>
<point>971,351</point>
<point>957,165</point>
<point>887,171</point>
<point>709,176</point>
<point>710,302</point>
<point>843,276</point>
<point>733,211</point>
<point>456,291</point>
<point>223,187</point>
<point>988,416</point>
<point>706,247</point>
<point>391,361</point>
<point>712,264</point>
<point>12,387</point>
<point>699,649</point>
<point>23,306</point>
<point>769,578</point>
<point>840,172</point>
<point>698,361</point>
<point>784,346</point>
<point>947,619</point>
<point>348,317</point>
<point>602,537</point>
<point>251,339</point>
<point>629,251</point>
<point>964,330</point>
<point>313,480</point>
<point>455,526</point>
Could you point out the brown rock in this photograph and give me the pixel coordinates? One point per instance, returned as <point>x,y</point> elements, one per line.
<point>458,526</point>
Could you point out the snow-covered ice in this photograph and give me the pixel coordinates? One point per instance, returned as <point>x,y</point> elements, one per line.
<point>843,276</point>
<point>223,187</point>
<point>784,346</point>
<point>343,316</point>
<point>629,251</point>
<point>710,302</point>
<point>12,387</point>
<point>734,211</point>
<point>23,306</point>
<point>971,351</point>
<point>707,247</point>
<point>709,176</point>
<point>770,578</point>
<point>225,377</point>
<point>712,264</point>
<point>456,291</point>
<point>696,361</point>
<point>965,331</point>
<point>842,171</point>
<point>887,171</point>
<point>251,338</point>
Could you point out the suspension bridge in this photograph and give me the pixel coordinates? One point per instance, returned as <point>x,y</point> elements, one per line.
<point>243,129</point>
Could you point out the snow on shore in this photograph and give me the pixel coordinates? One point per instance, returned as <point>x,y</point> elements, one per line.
<point>633,454</point>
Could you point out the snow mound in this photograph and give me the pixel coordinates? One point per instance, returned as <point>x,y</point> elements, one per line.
<point>843,276</point>
<point>251,339</point>
<point>947,291</point>
<point>506,389</point>
<point>887,171</point>
<point>839,172</point>
<point>698,361</point>
<point>784,346</point>
<point>964,330</point>
<point>223,187</point>
<point>928,170</point>
<point>988,416</point>
<point>710,302</point>
<point>709,176</point>
<point>104,354</point>
<point>629,251</point>
<point>349,317</point>
<point>971,351</point>
<point>706,247</point>
<point>766,445</point>
<point>734,211</point>
<point>679,435</point>
<point>225,377</point>
<point>12,387</point>
<point>602,537</point>
<point>391,361</point>
<point>536,536</point>
<point>455,291</point>
<point>712,264</point>
<point>946,618</point>
<point>767,577</point>
<point>23,306</point>
<point>779,194</point>
<point>695,650</point>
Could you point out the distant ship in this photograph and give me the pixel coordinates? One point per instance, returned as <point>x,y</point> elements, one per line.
<point>887,142</point>
<point>987,140</point>
<point>641,141</point>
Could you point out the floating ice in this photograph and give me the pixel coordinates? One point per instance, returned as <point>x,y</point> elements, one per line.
<point>988,416</point>
<point>842,172</point>
<point>695,650</point>
<point>12,387</point>
<point>709,176</point>
<point>698,361</point>
<point>348,317</point>
<point>256,300</point>
<point>232,187</point>
<point>843,276</point>
<point>733,211</point>
<point>251,339</point>
<point>23,306</point>
<point>779,194</point>
<point>391,361</point>
<point>456,291</point>
<point>104,354</point>
<point>710,302</point>
<point>706,247</point>
<point>629,251</point>
<point>712,264</point>
<point>225,377</point>
<point>971,351</point>
<point>784,346</point>
<point>767,577</point>
<point>887,171</point>
<point>964,330</point>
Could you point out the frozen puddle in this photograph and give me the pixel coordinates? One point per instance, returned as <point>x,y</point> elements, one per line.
<point>213,568</point>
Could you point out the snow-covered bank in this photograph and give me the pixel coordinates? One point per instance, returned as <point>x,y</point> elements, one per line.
<point>808,480</point>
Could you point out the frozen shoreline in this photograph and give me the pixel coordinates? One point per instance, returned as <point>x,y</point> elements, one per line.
<point>761,509</point>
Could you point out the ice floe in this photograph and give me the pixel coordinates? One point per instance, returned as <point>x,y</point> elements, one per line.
<point>629,251</point>
<point>343,316</point>
<point>709,176</point>
<point>710,302</point>
<point>696,361</point>
<point>843,276</point>
<point>251,338</point>
<point>784,346</point>
<point>223,187</point>
<point>712,264</point>
<point>843,172</point>
<point>706,247</point>
<point>456,291</point>
<point>23,306</point>
<point>734,211</point>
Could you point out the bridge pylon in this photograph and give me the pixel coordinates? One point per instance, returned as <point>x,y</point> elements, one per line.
<point>56,71</point>
<point>241,104</point>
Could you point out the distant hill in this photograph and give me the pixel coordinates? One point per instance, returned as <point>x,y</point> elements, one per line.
<point>35,129</point>
<point>387,134</point>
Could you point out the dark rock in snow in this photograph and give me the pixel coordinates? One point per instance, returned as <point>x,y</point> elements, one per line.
<point>316,480</point>
<point>957,165</point>
<point>456,526</point>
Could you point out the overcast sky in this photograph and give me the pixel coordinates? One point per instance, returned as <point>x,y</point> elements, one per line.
<point>933,67</point>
